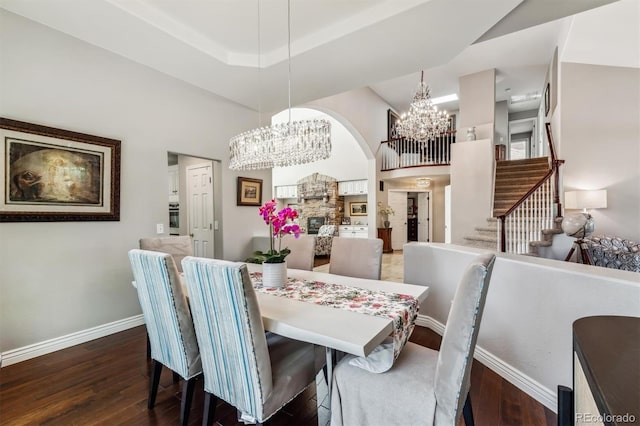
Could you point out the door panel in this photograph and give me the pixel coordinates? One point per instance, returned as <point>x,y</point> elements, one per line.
<point>398,202</point>
<point>200,207</point>
<point>424,217</point>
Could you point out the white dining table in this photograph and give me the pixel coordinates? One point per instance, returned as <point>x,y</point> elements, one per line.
<point>335,329</point>
<point>343,330</point>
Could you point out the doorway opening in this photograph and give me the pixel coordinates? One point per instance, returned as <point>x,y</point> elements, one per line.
<point>412,218</point>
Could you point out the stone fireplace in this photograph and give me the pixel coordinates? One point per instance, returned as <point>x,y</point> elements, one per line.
<point>318,199</point>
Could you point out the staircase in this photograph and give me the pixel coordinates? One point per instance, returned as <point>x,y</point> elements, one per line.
<point>513,180</point>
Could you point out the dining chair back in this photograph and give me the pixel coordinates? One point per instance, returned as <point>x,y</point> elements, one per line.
<point>428,387</point>
<point>255,372</point>
<point>170,330</point>
<point>356,257</point>
<point>177,246</point>
<point>302,251</point>
<point>455,358</point>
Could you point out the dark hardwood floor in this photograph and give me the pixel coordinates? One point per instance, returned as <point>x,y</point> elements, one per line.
<point>105,382</point>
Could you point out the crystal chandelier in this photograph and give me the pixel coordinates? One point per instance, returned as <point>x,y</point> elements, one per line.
<point>423,121</point>
<point>282,144</point>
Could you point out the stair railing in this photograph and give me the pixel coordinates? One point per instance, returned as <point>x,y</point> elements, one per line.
<point>402,153</point>
<point>526,219</point>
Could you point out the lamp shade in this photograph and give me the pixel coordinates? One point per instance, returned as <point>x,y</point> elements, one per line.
<point>585,199</point>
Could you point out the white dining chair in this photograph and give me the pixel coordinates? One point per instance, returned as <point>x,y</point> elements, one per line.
<point>302,251</point>
<point>256,372</point>
<point>424,386</point>
<point>356,257</point>
<point>170,332</point>
<point>178,247</point>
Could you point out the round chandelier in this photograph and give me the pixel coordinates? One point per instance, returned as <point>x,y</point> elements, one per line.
<point>281,144</point>
<point>423,121</point>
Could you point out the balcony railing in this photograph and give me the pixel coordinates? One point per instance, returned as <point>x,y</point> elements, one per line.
<point>402,153</point>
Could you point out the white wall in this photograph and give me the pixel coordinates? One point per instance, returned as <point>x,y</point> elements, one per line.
<point>526,330</point>
<point>501,134</point>
<point>477,104</point>
<point>62,277</point>
<point>364,114</point>
<point>471,186</point>
<point>347,161</point>
<point>602,144</point>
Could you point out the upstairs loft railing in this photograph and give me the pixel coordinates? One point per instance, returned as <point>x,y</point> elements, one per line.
<point>402,153</point>
<point>526,219</point>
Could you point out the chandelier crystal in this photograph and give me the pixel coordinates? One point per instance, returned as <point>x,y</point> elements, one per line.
<point>423,121</point>
<point>281,144</point>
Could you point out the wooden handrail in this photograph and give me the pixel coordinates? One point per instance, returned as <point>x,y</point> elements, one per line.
<point>555,166</point>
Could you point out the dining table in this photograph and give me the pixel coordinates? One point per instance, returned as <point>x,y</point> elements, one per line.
<point>335,329</point>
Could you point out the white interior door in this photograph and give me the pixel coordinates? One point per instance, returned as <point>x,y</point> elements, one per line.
<point>398,202</point>
<point>200,208</point>
<point>447,214</point>
<point>424,216</point>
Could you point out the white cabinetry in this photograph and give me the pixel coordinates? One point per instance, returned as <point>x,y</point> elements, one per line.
<point>352,187</point>
<point>287,191</point>
<point>350,231</point>
<point>174,184</point>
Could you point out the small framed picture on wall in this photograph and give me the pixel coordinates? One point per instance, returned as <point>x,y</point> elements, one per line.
<point>358,209</point>
<point>249,192</point>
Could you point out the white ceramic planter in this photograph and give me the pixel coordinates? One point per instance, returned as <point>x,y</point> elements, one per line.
<point>274,274</point>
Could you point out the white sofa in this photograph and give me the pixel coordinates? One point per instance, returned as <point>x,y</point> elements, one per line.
<point>526,330</point>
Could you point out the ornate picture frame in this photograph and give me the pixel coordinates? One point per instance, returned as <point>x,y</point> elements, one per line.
<point>53,175</point>
<point>249,192</point>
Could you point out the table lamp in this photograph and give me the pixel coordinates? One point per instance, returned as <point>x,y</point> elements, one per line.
<point>582,225</point>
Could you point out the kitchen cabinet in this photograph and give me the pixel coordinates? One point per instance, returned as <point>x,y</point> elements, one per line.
<point>287,191</point>
<point>174,184</point>
<point>351,231</point>
<point>352,187</point>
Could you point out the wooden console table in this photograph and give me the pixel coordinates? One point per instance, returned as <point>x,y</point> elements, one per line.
<point>606,370</point>
<point>385,235</point>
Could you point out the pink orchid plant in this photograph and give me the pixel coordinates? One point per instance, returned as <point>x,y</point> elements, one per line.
<point>280,223</point>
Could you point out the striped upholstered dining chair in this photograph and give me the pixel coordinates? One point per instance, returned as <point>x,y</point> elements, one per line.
<point>169,326</point>
<point>424,386</point>
<point>255,372</point>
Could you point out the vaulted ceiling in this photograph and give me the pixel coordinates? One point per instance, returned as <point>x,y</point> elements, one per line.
<point>237,49</point>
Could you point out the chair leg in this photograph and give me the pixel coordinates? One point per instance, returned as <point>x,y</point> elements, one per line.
<point>187,395</point>
<point>467,412</point>
<point>148,347</point>
<point>176,377</point>
<point>156,370</point>
<point>210,402</point>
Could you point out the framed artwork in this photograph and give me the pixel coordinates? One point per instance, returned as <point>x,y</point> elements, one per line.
<point>51,174</point>
<point>392,118</point>
<point>249,192</point>
<point>547,99</point>
<point>358,209</point>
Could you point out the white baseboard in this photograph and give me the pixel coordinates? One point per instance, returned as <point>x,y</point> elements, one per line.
<point>531,387</point>
<point>42,348</point>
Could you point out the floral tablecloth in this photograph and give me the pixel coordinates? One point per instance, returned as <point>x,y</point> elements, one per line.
<point>402,309</point>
